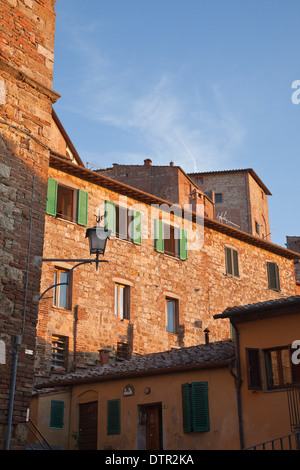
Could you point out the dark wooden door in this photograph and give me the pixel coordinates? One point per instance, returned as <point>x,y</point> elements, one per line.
<point>88,424</point>
<point>153,427</point>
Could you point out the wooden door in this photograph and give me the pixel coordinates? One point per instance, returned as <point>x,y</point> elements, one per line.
<point>88,424</point>
<point>153,427</point>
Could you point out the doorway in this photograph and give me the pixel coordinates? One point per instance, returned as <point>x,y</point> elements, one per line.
<point>88,424</point>
<point>150,427</point>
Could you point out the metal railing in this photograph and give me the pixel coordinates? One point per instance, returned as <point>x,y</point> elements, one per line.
<point>288,442</point>
<point>42,442</point>
<point>293,395</point>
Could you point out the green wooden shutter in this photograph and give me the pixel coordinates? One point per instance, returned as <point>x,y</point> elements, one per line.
<point>159,236</point>
<point>183,250</point>
<point>228,260</point>
<point>51,197</point>
<point>273,276</point>
<point>82,207</point>
<point>57,414</point>
<point>137,228</point>
<point>199,391</point>
<point>110,217</point>
<point>113,417</point>
<point>186,408</point>
<point>235,258</point>
<point>277,277</point>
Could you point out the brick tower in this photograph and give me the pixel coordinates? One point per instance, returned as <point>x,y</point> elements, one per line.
<point>26,98</point>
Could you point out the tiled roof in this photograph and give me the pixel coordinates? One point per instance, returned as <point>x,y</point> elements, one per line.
<point>202,356</point>
<point>259,307</point>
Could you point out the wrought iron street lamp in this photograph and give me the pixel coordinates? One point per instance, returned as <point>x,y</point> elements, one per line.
<point>98,237</point>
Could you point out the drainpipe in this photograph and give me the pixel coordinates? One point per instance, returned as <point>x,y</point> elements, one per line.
<point>238,383</point>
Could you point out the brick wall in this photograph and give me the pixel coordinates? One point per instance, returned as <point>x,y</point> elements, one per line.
<point>244,202</point>
<point>26,67</point>
<point>199,283</point>
<point>166,182</point>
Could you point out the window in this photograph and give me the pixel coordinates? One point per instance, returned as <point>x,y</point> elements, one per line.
<point>273,276</point>
<point>253,369</point>
<point>57,414</point>
<point>60,348</point>
<point>195,410</point>
<point>62,292</point>
<point>122,301</point>
<point>123,222</point>
<point>170,240</point>
<point>67,203</point>
<point>172,307</point>
<point>278,367</point>
<point>232,262</point>
<point>257,228</point>
<point>218,198</point>
<point>113,417</point>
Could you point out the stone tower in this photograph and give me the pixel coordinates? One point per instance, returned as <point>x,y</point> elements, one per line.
<point>26,98</point>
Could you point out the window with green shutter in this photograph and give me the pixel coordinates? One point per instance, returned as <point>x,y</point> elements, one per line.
<point>137,227</point>
<point>232,262</point>
<point>57,414</point>
<point>113,417</point>
<point>124,223</point>
<point>51,197</point>
<point>170,240</point>
<point>64,203</point>
<point>82,207</point>
<point>159,236</point>
<point>183,248</point>
<point>273,276</point>
<point>195,409</point>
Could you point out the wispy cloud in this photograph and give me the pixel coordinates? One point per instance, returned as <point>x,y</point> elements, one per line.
<point>167,124</point>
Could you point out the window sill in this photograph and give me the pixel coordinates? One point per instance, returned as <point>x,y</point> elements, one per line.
<point>123,320</point>
<point>62,309</point>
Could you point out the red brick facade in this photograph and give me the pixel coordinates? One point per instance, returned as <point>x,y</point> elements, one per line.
<point>26,98</point>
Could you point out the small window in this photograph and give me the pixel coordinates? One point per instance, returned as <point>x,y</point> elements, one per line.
<point>257,228</point>
<point>273,276</point>
<point>122,301</point>
<point>57,414</point>
<point>195,409</point>
<point>62,292</point>
<point>172,307</point>
<point>124,223</point>
<point>171,240</point>
<point>278,367</point>
<point>67,203</point>
<point>218,198</point>
<point>232,262</point>
<point>113,417</point>
<point>60,347</point>
<point>253,369</point>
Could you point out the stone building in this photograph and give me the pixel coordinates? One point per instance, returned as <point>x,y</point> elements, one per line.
<point>156,292</point>
<point>241,199</point>
<point>235,197</point>
<point>26,99</point>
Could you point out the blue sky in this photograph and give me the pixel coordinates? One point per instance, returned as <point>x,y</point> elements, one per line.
<point>204,83</point>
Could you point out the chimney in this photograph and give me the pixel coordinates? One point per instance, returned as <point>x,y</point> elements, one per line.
<point>206,331</point>
<point>104,356</point>
<point>171,163</point>
<point>148,162</point>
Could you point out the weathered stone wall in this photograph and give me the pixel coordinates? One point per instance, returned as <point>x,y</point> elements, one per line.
<point>26,67</point>
<point>244,201</point>
<point>166,182</point>
<point>200,284</point>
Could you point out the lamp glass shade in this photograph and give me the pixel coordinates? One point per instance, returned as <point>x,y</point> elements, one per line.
<point>98,237</point>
